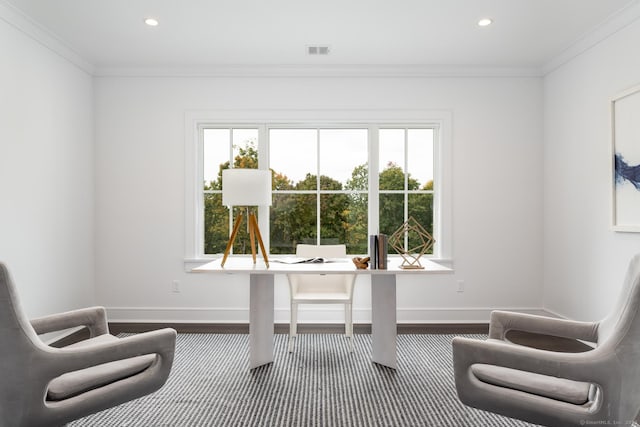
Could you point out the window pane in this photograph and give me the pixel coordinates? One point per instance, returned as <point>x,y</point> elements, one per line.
<point>341,152</point>
<point>216,224</point>
<point>420,156</point>
<point>334,210</point>
<point>421,209</point>
<point>245,148</point>
<point>293,155</point>
<point>391,212</point>
<point>391,154</point>
<point>357,224</point>
<point>292,221</point>
<point>216,145</point>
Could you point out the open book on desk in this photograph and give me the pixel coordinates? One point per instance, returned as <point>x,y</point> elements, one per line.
<point>298,260</point>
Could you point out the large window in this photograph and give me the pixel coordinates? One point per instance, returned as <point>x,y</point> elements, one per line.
<point>331,184</point>
<point>339,176</point>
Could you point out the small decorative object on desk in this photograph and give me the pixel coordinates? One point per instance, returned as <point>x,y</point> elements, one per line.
<point>361,263</point>
<point>414,233</point>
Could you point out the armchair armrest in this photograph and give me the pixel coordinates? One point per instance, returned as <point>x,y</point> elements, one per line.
<point>503,321</point>
<point>590,366</point>
<point>94,318</point>
<point>160,342</point>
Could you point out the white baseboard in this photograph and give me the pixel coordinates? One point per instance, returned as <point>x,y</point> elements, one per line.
<point>310,314</point>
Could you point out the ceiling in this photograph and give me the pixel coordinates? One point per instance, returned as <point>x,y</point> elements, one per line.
<point>206,33</point>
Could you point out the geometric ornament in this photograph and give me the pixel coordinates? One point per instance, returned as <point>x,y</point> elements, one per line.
<point>411,231</point>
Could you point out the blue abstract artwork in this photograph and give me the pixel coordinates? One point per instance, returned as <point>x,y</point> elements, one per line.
<point>625,172</point>
<point>625,114</point>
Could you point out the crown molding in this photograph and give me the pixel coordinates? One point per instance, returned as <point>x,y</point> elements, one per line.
<point>373,71</point>
<point>17,19</point>
<point>616,22</point>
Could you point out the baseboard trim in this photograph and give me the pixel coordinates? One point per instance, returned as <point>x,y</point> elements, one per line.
<point>323,314</point>
<point>305,328</point>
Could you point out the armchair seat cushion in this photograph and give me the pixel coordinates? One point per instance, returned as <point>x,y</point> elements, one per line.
<point>77,382</point>
<point>561,389</point>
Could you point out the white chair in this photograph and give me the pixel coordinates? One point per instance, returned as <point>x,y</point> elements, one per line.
<point>321,288</point>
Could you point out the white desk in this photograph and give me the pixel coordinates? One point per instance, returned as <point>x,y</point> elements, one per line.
<point>383,300</point>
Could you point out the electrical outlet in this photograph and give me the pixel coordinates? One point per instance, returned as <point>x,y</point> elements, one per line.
<point>460,285</point>
<point>175,287</point>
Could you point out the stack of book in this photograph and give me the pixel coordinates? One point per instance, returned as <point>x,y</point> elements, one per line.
<point>378,248</point>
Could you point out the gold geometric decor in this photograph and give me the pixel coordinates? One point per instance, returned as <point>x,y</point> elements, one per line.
<point>413,232</point>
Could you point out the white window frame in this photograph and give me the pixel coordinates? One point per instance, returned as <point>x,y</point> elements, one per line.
<point>439,120</point>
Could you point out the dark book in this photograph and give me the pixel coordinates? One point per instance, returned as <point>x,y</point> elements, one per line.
<point>382,251</point>
<point>373,247</point>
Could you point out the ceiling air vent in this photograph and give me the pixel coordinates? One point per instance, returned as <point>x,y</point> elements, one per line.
<point>317,50</point>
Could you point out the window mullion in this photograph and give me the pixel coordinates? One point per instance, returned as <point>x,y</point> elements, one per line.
<point>318,207</point>
<point>200,192</point>
<point>264,164</point>
<point>374,184</point>
<point>405,214</point>
<point>230,166</point>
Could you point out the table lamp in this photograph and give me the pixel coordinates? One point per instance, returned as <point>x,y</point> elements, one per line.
<point>246,187</point>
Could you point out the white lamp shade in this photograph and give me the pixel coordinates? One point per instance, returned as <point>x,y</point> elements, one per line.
<point>246,187</point>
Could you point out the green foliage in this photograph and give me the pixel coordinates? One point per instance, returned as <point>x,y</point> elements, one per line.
<point>358,216</point>
<point>293,217</point>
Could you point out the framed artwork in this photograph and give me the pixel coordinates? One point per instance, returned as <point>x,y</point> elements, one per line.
<point>625,123</point>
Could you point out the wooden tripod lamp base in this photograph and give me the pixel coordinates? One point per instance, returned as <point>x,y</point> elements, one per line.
<point>254,233</point>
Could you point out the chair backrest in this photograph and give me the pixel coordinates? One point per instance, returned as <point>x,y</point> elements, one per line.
<point>18,349</point>
<point>623,322</point>
<point>619,342</point>
<point>328,283</point>
<point>324,251</point>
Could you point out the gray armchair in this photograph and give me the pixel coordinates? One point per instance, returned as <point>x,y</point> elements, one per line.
<point>47,386</point>
<point>598,386</point>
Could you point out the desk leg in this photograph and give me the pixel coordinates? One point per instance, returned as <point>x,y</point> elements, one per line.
<point>260,319</point>
<point>383,319</point>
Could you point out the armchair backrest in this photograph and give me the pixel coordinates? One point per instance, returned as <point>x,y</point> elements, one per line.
<point>321,283</point>
<point>15,327</point>
<point>18,348</point>
<point>619,344</point>
<point>623,322</point>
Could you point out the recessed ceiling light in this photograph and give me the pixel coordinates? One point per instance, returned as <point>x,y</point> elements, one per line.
<point>485,22</point>
<point>152,22</point>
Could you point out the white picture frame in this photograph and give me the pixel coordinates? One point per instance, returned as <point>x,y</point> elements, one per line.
<point>625,160</point>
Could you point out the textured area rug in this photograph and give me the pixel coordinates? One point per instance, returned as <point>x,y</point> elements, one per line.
<point>319,384</point>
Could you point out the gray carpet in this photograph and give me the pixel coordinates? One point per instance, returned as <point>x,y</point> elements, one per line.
<point>320,384</point>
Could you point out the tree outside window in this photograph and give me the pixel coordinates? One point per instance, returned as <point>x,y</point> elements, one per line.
<point>319,195</point>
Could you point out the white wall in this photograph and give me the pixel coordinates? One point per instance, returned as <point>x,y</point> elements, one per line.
<point>584,260</point>
<point>46,175</point>
<point>499,212</point>
<point>497,192</point>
